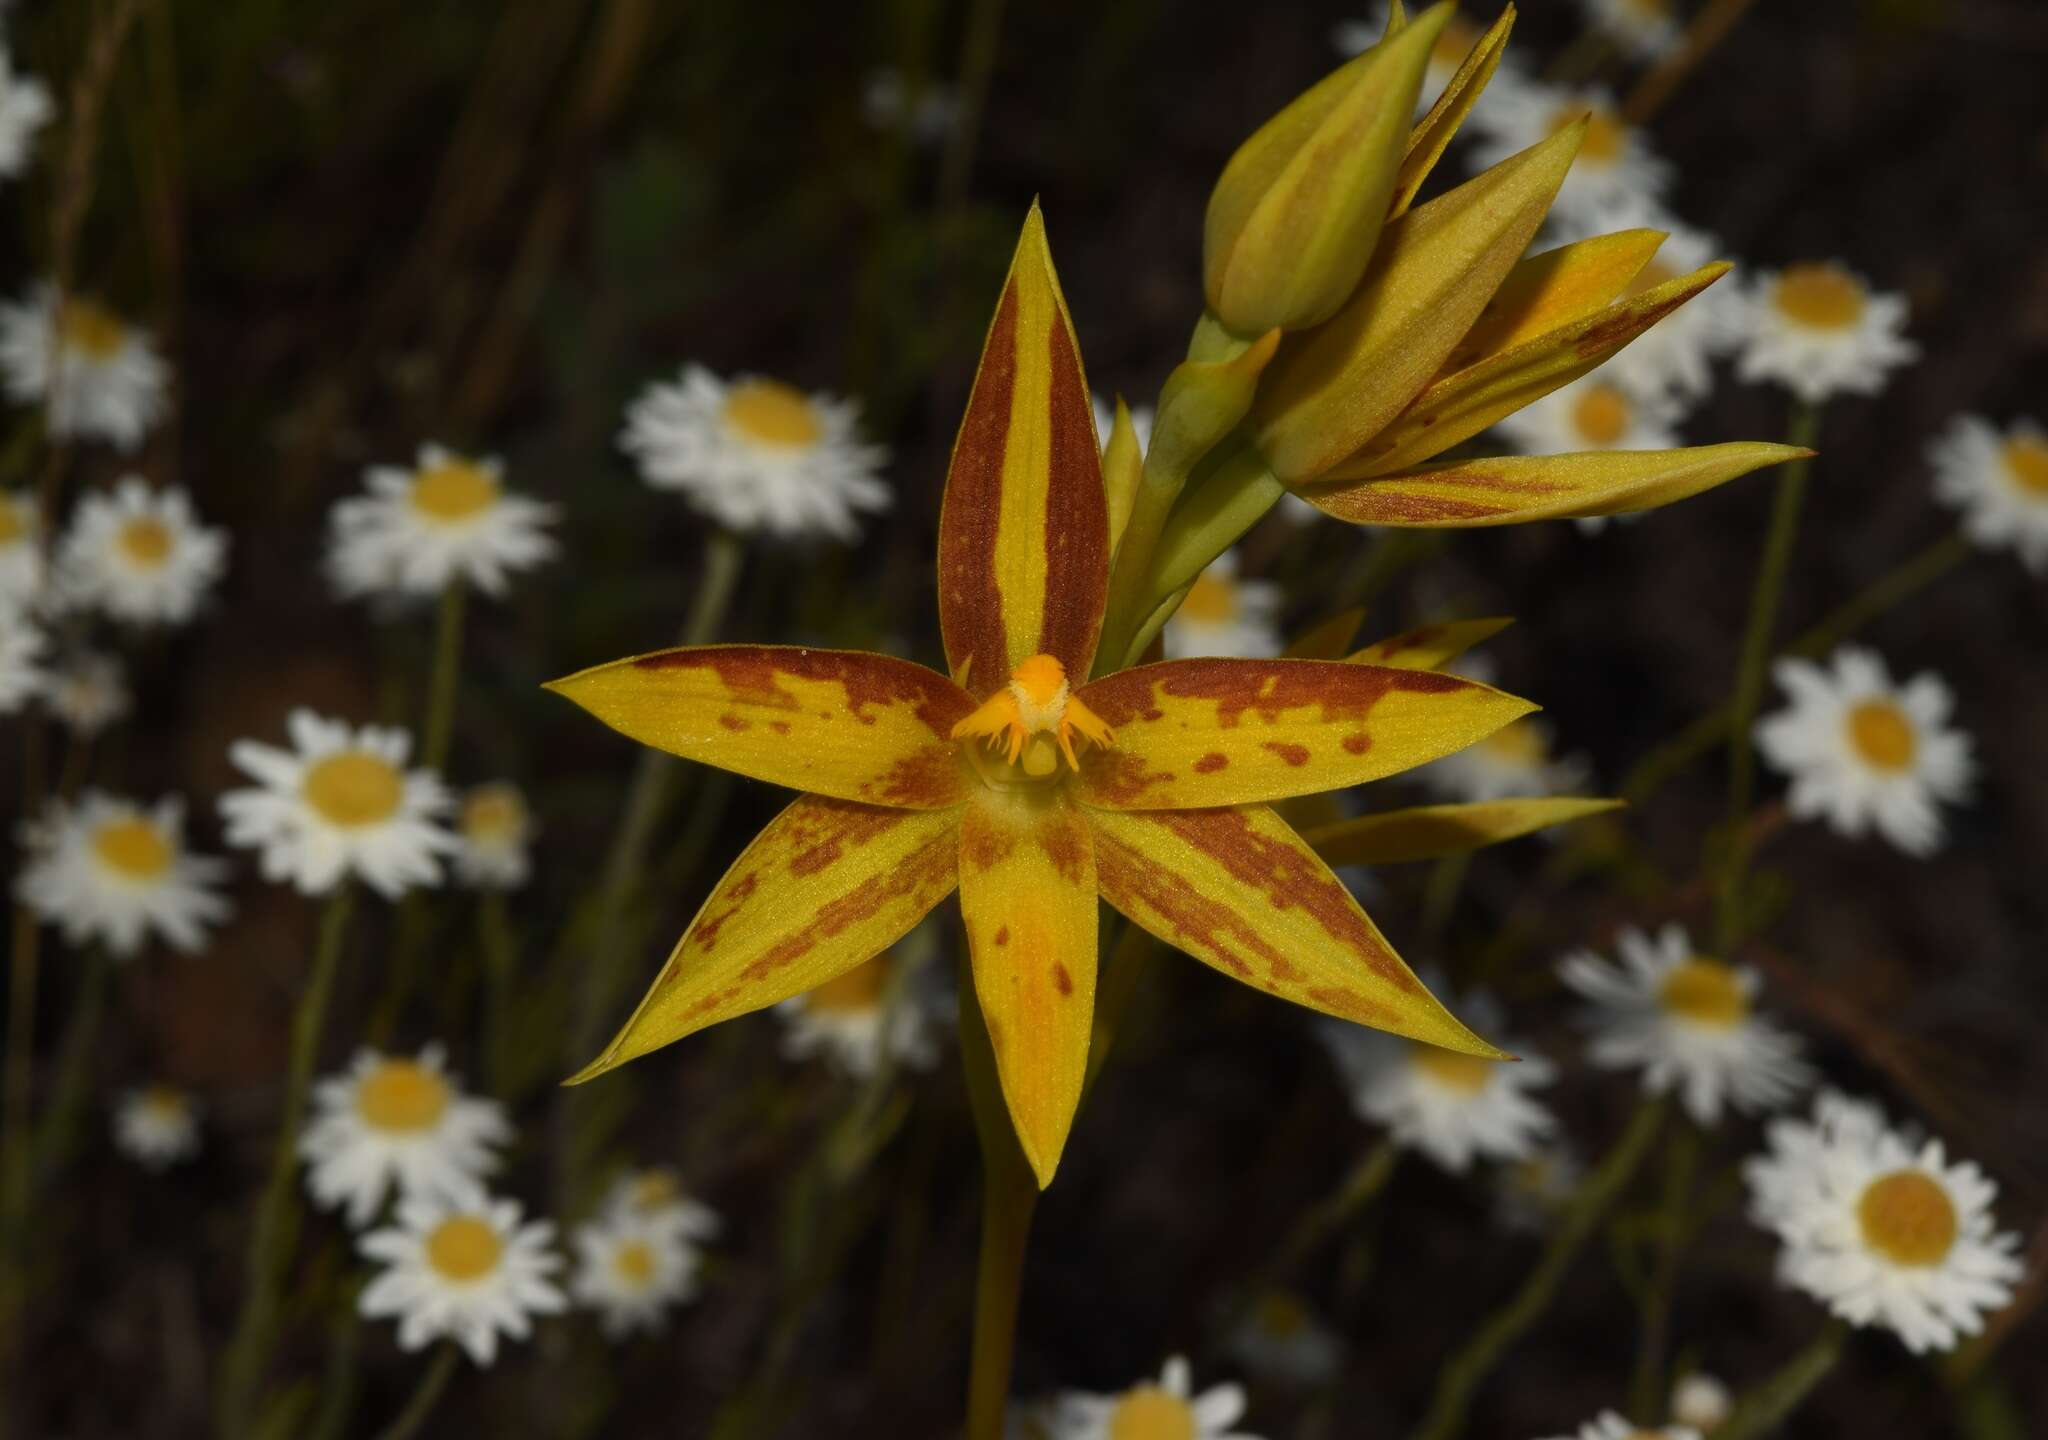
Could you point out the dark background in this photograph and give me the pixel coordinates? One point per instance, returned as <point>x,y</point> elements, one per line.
<point>359,226</point>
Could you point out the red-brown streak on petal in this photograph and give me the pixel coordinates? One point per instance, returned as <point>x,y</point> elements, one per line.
<point>733,722</point>
<point>970,601</point>
<point>1065,844</point>
<point>750,673</point>
<point>705,934</point>
<point>1076,518</point>
<point>1212,762</point>
<point>1271,687</point>
<point>1416,639</point>
<point>1372,504</point>
<point>1291,753</point>
<point>984,846</point>
<point>1119,777</point>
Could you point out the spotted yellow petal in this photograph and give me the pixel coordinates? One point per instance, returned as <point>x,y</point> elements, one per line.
<point>844,723</point>
<point>1224,732</point>
<point>1511,489</point>
<point>1027,895</point>
<point>1426,142</point>
<point>1239,891</point>
<point>1430,832</point>
<point>826,886</point>
<point>1430,647</point>
<point>1024,529</point>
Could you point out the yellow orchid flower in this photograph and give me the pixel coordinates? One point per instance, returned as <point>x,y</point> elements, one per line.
<point>1028,787</point>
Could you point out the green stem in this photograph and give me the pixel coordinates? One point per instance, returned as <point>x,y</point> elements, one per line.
<point>426,1397</point>
<point>74,1068</point>
<point>1772,1403</point>
<point>1647,1397</point>
<point>1336,1210</point>
<point>1463,1373</point>
<point>501,966</point>
<point>445,683</point>
<point>270,1239</point>
<point>1764,605</point>
<point>1009,1197</point>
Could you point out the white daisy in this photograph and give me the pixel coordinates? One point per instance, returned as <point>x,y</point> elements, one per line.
<point>1453,1108</point>
<point>446,518</point>
<point>757,455</point>
<point>1530,1193</point>
<point>1643,29</point>
<point>1516,759</point>
<point>112,871</point>
<point>1688,1023</point>
<point>1675,357</point>
<point>1280,1338</point>
<point>21,549</point>
<point>1820,330</point>
<point>157,1126</point>
<point>495,830</point>
<point>1884,1231</point>
<point>1701,1402</point>
<point>1141,422</point>
<point>396,1123</point>
<point>1866,753</point>
<point>1226,615</point>
<point>928,117</point>
<point>631,1271</point>
<point>850,1020</point>
<point>339,802</point>
<point>656,1196</point>
<point>24,109</point>
<point>1355,37</point>
<point>111,384</point>
<point>88,691</point>
<point>1153,1411</point>
<point>21,655</point>
<point>1795,1142</point>
<point>464,1270</point>
<point>1615,166</point>
<point>139,555</point>
<point>1610,1426</point>
<point>1999,482</point>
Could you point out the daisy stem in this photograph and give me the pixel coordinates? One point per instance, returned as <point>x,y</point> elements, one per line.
<point>426,1396</point>
<point>501,962</point>
<point>1674,1225</point>
<point>1772,1403</point>
<point>1702,37</point>
<point>444,685</point>
<point>1463,1373</point>
<point>1009,1196</point>
<point>1765,602</point>
<point>1336,1210</point>
<point>74,1067</point>
<point>271,1237</point>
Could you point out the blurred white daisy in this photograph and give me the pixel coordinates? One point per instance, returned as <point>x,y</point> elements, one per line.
<point>21,658</point>
<point>495,830</point>
<point>1865,753</point>
<point>1453,1108</point>
<point>1165,1408</point>
<point>1820,330</point>
<point>24,109</point>
<point>875,1007</point>
<point>1616,166</point>
<point>758,455</point>
<point>632,1271</point>
<point>1610,1426</point>
<point>21,549</point>
<point>1516,759</point>
<point>446,518</point>
<point>1701,1402</point>
<point>1281,1339</point>
<point>1688,1023</point>
<point>1355,37</point>
<point>1530,1193</point>
<point>1643,29</point>
<point>1882,1231</point>
<point>927,117</point>
<point>1795,1143</point>
<point>1675,357</point>
<point>157,1126</point>
<point>339,802</point>
<point>139,555</point>
<point>656,1196</point>
<point>1226,615</point>
<point>1594,413</point>
<point>88,691</point>
<point>1141,423</point>
<point>111,871</point>
<point>397,1124</point>
<point>1999,482</point>
<point>463,1270</point>
<point>111,384</point>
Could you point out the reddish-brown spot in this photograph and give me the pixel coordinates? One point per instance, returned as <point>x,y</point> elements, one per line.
<point>1062,979</point>
<point>733,722</point>
<point>1212,762</point>
<point>970,599</point>
<point>984,843</point>
<point>1270,688</point>
<point>816,844</point>
<point>780,727</point>
<point>1002,934</point>
<point>1291,753</point>
<point>752,677</point>
<point>730,896</point>
<point>1118,778</point>
<point>931,779</point>
<point>1357,743</point>
<point>1063,836</point>
<point>1416,639</point>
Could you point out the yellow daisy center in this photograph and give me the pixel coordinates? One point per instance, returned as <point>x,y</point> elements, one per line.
<point>1705,992</point>
<point>1281,1315</point>
<point>857,991</point>
<point>634,1260</point>
<point>91,329</point>
<point>464,1247</point>
<point>1601,415</point>
<point>402,1096</point>
<point>1882,735</point>
<point>1908,1218</point>
<point>1519,743</point>
<point>1466,1074</point>
<point>1149,1413</point>
<point>2026,460</point>
<point>165,1103</point>
<point>1820,297</point>
<point>133,848</point>
<point>493,814</point>
<point>454,490</point>
<point>1210,601</point>
<point>1648,9</point>
<point>655,1190</point>
<point>146,541</point>
<point>13,520</point>
<point>353,787</point>
<point>1605,135</point>
<point>773,413</point>
<point>1037,701</point>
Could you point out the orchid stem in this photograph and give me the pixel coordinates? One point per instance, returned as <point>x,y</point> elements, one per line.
<point>445,683</point>
<point>271,1236</point>
<point>426,1397</point>
<point>1772,1403</point>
